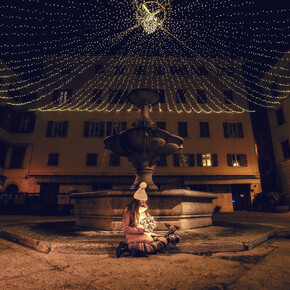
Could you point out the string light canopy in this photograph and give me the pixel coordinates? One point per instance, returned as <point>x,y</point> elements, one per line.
<point>203,56</point>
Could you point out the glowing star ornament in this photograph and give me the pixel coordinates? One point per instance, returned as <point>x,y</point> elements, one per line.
<point>148,223</point>
<point>150,15</point>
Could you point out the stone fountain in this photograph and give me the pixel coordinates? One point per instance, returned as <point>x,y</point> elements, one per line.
<point>143,145</point>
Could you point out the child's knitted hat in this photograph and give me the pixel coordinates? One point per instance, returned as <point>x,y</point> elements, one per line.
<point>140,194</point>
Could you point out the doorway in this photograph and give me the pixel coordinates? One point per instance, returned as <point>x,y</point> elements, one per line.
<point>241,197</point>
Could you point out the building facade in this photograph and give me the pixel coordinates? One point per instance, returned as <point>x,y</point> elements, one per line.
<point>58,148</point>
<point>279,120</point>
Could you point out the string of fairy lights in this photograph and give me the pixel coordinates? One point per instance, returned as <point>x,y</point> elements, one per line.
<point>88,55</point>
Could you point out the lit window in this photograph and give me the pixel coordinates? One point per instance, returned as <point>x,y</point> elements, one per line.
<point>237,160</point>
<point>206,160</point>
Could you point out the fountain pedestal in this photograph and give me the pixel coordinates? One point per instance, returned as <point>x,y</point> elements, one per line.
<point>143,145</point>
<point>103,210</point>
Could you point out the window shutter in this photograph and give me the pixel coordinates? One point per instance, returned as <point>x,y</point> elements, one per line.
<point>214,160</point>
<point>240,128</point>
<point>69,96</point>
<point>49,128</point>
<point>102,129</point>
<point>124,126</point>
<point>244,161</point>
<point>109,129</point>
<point>32,123</point>
<point>191,160</point>
<point>55,95</point>
<point>176,160</point>
<point>226,131</point>
<point>230,159</point>
<point>86,128</point>
<point>199,159</point>
<point>64,131</point>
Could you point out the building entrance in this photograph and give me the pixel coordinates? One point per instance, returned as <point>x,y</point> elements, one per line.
<point>241,196</point>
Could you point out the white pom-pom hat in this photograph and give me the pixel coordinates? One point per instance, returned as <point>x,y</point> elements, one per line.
<point>140,194</point>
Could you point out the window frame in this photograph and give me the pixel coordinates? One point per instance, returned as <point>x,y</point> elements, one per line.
<point>53,159</point>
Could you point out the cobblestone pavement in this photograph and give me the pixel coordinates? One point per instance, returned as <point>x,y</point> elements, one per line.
<point>263,267</point>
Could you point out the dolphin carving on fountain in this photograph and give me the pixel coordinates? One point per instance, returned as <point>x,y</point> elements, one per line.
<point>144,143</point>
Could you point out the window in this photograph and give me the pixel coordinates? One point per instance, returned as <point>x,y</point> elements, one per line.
<point>94,129</point>
<point>161,96</point>
<point>92,159</point>
<point>62,96</point>
<point>161,125</point>
<point>200,70</point>
<point>183,160</point>
<point>17,156</point>
<point>229,98</point>
<point>117,96</point>
<point>114,160</point>
<point>182,129</point>
<point>140,69</point>
<point>280,116</point>
<point>56,129</point>
<point>52,159</point>
<point>204,129</point>
<point>120,69</point>
<point>99,69</point>
<point>26,123</point>
<point>180,96</point>
<point>201,97</point>
<point>97,96</point>
<point>159,70</point>
<point>162,161</point>
<point>207,159</point>
<point>237,160</point>
<point>286,149</point>
<point>233,130</point>
<point>114,128</point>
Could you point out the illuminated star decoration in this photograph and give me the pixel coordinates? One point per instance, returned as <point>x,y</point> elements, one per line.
<point>49,46</point>
<point>148,223</point>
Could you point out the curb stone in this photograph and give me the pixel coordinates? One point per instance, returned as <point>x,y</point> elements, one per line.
<point>196,247</point>
<point>37,245</point>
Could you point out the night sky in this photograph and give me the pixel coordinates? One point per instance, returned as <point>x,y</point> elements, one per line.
<point>257,31</point>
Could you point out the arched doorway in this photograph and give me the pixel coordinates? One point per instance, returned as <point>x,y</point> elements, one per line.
<point>12,189</point>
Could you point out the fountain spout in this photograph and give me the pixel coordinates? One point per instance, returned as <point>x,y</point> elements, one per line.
<point>144,144</point>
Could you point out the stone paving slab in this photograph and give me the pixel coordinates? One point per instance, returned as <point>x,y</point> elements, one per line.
<point>58,234</point>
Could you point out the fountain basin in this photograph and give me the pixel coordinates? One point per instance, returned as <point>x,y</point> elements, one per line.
<point>103,210</point>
